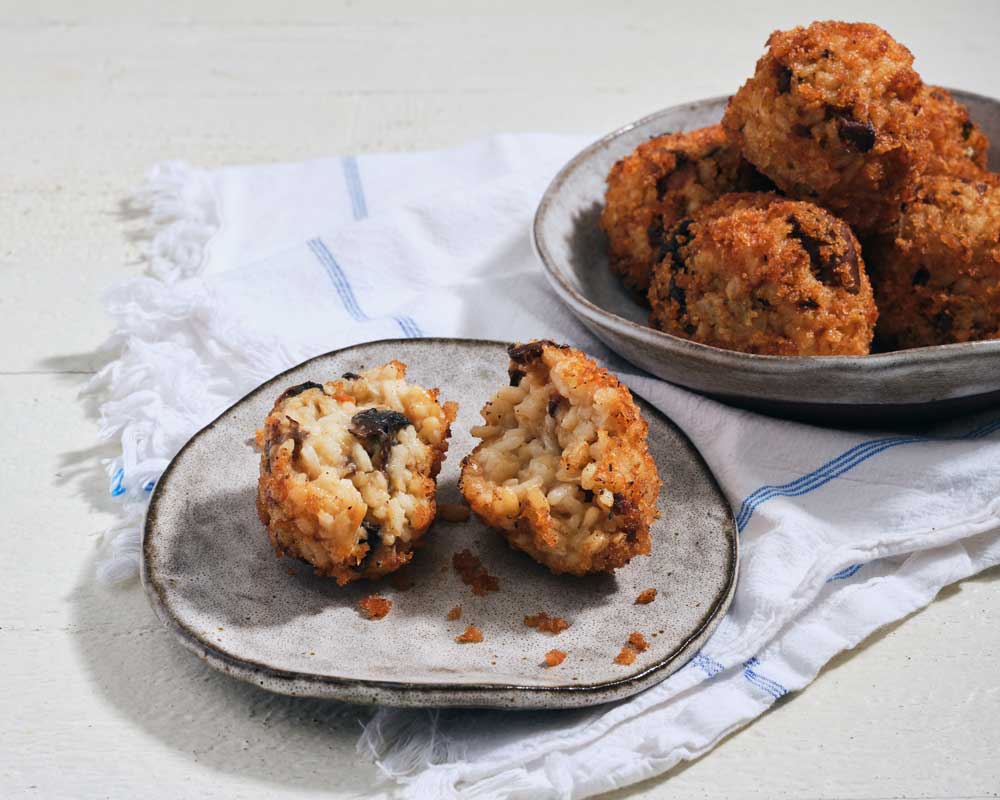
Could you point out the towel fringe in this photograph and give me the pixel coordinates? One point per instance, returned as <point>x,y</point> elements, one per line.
<point>167,381</point>
<point>403,742</point>
<point>181,215</point>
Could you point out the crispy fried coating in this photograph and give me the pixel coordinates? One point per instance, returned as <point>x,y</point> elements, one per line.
<point>763,274</point>
<point>937,276</point>
<point>956,145</point>
<point>563,470</point>
<point>348,468</point>
<point>660,182</point>
<point>829,117</point>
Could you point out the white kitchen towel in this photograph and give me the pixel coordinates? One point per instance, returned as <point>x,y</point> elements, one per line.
<point>256,268</point>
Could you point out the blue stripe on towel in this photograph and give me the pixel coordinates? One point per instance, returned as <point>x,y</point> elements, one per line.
<point>845,573</point>
<point>986,430</point>
<point>709,665</point>
<point>773,688</point>
<point>836,467</point>
<point>117,490</point>
<point>818,477</point>
<point>840,460</point>
<point>409,327</point>
<point>338,278</point>
<point>711,668</point>
<point>355,189</point>
<point>344,289</point>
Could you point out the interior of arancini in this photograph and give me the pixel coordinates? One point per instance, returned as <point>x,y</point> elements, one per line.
<point>349,466</point>
<point>551,466</point>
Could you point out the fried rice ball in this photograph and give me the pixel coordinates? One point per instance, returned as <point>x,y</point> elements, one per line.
<point>937,276</point>
<point>348,468</point>
<point>563,470</point>
<point>763,274</point>
<point>828,116</point>
<point>660,182</point>
<point>956,145</point>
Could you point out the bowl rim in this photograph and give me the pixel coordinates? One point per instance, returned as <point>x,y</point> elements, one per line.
<point>717,356</point>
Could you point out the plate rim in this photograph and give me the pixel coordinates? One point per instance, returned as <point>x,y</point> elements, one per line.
<point>397,693</point>
<point>719,357</point>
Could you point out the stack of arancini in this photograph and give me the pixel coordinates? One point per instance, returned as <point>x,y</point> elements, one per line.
<point>834,139</point>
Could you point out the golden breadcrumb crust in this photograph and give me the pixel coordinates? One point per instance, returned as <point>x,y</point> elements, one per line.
<point>660,182</point>
<point>563,469</point>
<point>956,145</point>
<point>829,117</point>
<point>763,274</point>
<point>937,276</point>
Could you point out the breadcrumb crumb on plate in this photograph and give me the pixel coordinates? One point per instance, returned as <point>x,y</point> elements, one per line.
<point>471,635</point>
<point>375,607</point>
<point>208,565</point>
<point>474,574</point>
<point>636,644</point>
<point>543,622</point>
<point>646,596</point>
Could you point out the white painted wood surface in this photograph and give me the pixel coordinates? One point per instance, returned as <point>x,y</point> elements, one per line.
<point>96,699</point>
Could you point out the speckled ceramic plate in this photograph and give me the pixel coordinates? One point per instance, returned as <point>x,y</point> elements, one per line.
<point>213,579</point>
<point>878,389</point>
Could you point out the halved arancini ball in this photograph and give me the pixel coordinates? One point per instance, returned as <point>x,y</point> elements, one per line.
<point>348,468</point>
<point>763,274</point>
<point>563,469</point>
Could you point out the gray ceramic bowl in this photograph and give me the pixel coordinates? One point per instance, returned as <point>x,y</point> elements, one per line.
<point>882,389</point>
<point>213,578</point>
